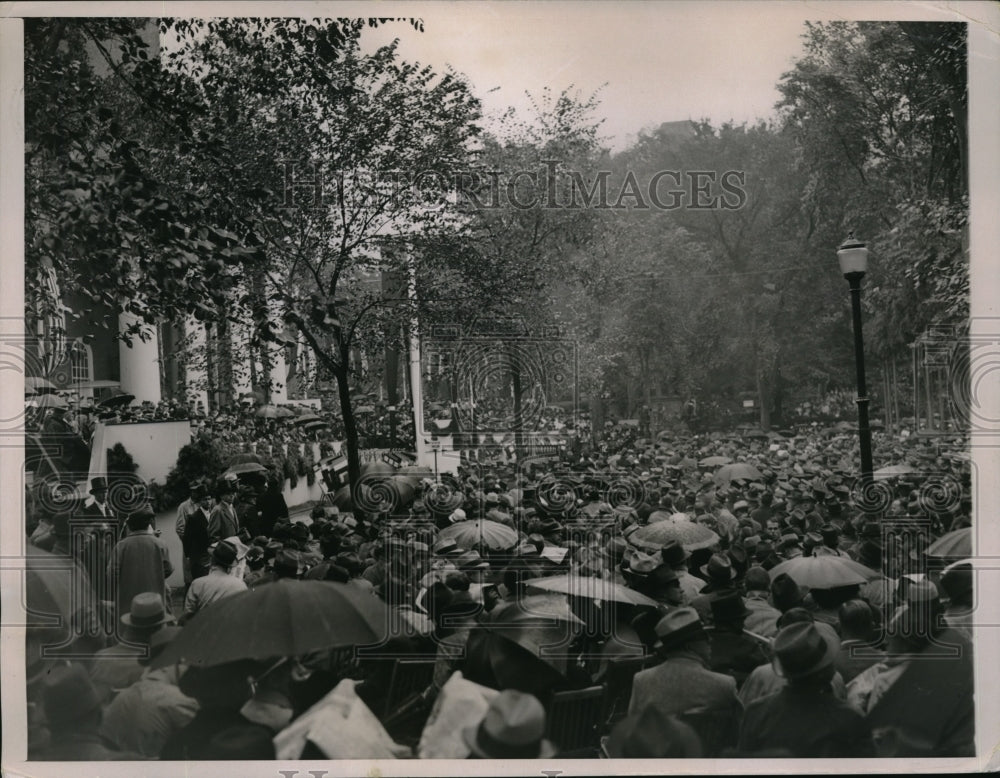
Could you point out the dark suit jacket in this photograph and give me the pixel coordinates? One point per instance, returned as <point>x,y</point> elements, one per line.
<point>197,540</point>
<point>804,724</point>
<point>736,654</point>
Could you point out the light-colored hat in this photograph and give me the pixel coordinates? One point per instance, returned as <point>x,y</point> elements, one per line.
<point>513,728</point>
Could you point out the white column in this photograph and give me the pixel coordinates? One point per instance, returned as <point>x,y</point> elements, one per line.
<point>139,364</point>
<point>196,374</point>
<point>279,376</point>
<point>240,342</point>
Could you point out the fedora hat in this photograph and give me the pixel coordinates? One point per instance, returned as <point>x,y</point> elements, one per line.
<point>677,627</point>
<point>98,485</point>
<point>673,553</point>
<point>785,593</point>
<point>800,650</point>
<point>719,568</point>
<point>652,734</point>
<point>513,728</point>
<point>224,553</point>
<point>729,608</point>
<point>658,579</point>
<point>445,546</point>
<point>146,611</point>
<point>69,695</point>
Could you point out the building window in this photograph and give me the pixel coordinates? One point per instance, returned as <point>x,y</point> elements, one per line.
<point>81,360</point>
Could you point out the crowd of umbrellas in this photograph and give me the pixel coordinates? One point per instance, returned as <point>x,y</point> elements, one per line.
<point>555,560</point>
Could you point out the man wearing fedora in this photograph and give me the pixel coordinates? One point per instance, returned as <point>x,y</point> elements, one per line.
<point>676,557</point>
<point>184,510</point>
<point>721,579</point>
<point>218,584</point>
<point>735,651</point>
<point>223,522</point>
<point>196,540</point>
<point>805,719</point>
<point>117,667</point>
<point>683,680</point>
<point>513,728</point>
<point>73,712</point>
<point>142,717</point>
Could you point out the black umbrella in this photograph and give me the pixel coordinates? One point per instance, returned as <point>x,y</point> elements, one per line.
<point>116,399</point>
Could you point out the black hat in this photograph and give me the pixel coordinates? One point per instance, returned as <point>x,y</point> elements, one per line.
<point>729,608</point>
<point>224,553</point>
<point>673,553</point>
<point>801,649</point>
<point>719,568</point>
<point>785,593</point>
<point>98,484</point>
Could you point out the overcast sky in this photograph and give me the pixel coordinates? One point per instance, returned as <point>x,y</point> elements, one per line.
<point>660,61</point>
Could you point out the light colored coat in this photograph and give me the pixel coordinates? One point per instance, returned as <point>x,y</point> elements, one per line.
<point>682,683</point>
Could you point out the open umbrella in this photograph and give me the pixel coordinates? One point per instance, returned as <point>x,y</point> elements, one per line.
<point>689,534</point>
<point>590,588</point>
<point>315,425</point>
<point>825,572</point>
<point>714,461</point>
<point>54,586</point>
<point>272,412</point>
<point>728,473</point>
<point>306,418</point>
<point>245,467</point>
<point>542,624</point>
<point>38,385</point>
<point>956,544</point>
<point>283,619</point>
<point>482,532</point>
<point>51,401</point>
<point>116,399</point>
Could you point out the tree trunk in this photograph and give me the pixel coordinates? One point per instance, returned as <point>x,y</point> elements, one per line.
<point>596,417</point>
<point>764,398</point>
<point>342,374</point>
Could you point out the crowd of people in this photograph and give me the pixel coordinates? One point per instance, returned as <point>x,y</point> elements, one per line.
<point>707,643</point>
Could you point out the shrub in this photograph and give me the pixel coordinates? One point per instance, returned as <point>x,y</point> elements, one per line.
<point>201,459</point>
<point>121,466</point>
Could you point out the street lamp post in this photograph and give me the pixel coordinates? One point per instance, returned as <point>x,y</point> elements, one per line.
<point>853,257</point>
